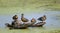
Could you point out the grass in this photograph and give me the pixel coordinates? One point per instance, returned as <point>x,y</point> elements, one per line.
<point>30,30</point>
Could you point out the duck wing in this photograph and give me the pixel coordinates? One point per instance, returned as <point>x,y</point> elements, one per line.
<point>24,20</point>
<point>40,19</point>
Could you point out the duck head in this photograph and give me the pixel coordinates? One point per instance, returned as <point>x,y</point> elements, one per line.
<point>44,15</point>
<point>22,15</point>
<point>15,17</point>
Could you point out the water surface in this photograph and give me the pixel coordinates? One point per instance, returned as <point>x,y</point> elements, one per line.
<point>52,22</point>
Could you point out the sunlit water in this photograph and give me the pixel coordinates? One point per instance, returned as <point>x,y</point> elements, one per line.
<point>52,22</point>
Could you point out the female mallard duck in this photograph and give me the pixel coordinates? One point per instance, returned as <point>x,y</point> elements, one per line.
<point>43,18</point>
<point>24,19</point>
<point>33,20</point>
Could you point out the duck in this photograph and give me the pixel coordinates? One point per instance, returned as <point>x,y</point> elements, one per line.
<point>23,19</point>
<point>33,20</point>
<point>43,18</point>
<point>15,17</point>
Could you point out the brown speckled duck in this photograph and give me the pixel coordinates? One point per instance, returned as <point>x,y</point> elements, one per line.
<point>24,19</point>
<point>43,18</point>
<point>33,20</point>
